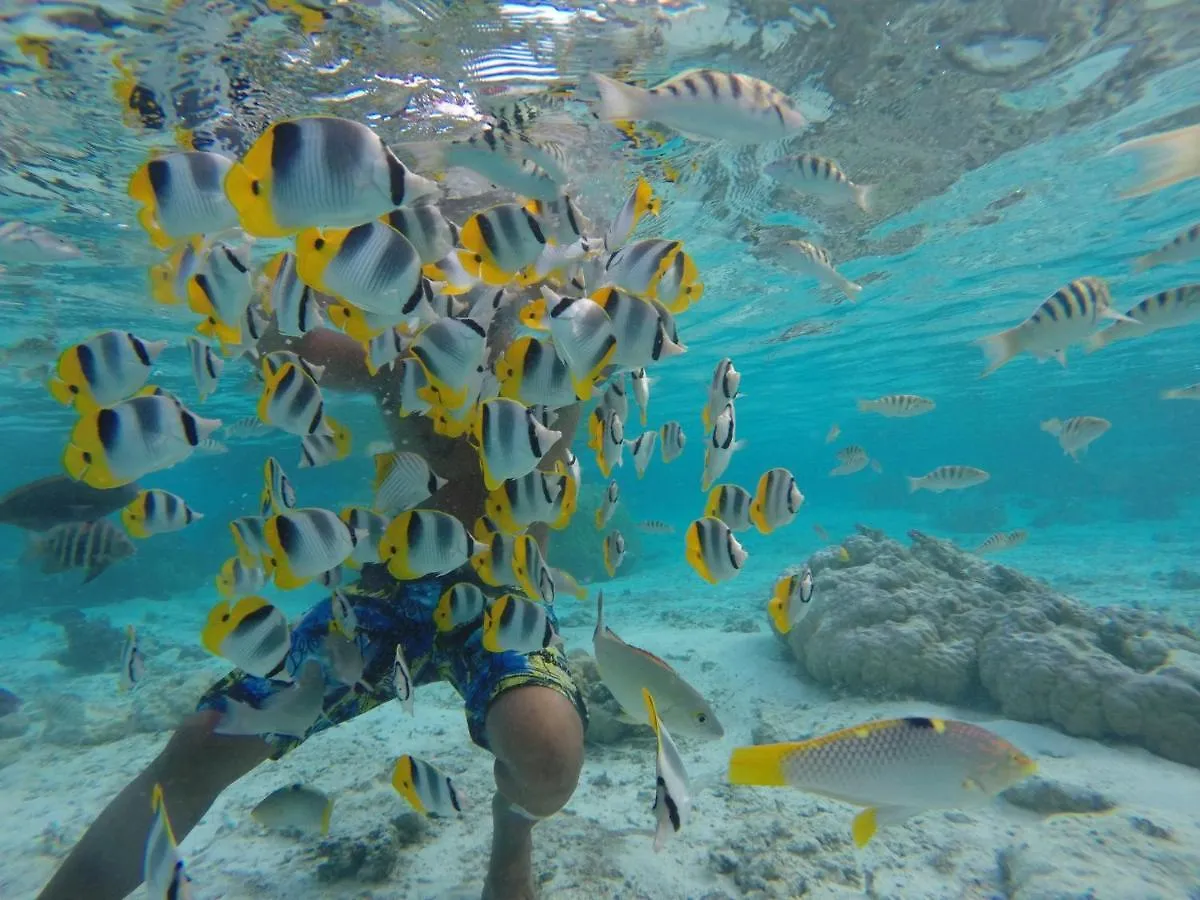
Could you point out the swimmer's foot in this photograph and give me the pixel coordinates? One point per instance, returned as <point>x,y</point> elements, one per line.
<point>510,869</point>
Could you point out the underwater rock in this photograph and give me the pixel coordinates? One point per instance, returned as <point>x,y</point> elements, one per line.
<point>934,622</point>
<point>368,858</point>
<point>606,720</point>
<point>1048,797</point>
<point>70,721</point>
<point>93,645</point>
<point>411,829</point>
<point>1182,580</point>
<point>13,725</point>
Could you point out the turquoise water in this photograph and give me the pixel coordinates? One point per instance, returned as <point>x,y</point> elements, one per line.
<point>993,190</point>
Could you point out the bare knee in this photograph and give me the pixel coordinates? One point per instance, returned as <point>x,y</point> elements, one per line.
<point>537,737</point>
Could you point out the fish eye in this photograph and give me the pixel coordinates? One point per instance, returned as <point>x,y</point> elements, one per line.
<point>73,388</point>
<point>87,457</point>
<point>319,244</point>
<point>255,187</point>
<point>225,617</point>
<point>702,718</point>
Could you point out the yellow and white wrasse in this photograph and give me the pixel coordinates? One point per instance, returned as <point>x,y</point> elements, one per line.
<point>402,481</point>
<point>532,372</point>
<point>1184,247</point>
<point>452,353</point>
<point>820,177</point>
<point>896,768</point>
<point>460,604</point>
<point>641,393</point>
<point>948,478</point>
<point>640,202</point>
<point>495,560</point>
<point>614,552</point>
<point>402,683</point>
<point>705,104</point>
<point>292,402</point>
<point>276,360</point>
<point>249,537</point>
<point>302,544</point>
<point>182,195</point>
<point>372,266</point>
<point>116,445</point>
<point>514,624</point>
<point>897,406</point>
<point>1067,317</point>
<point>851,459</point>
<point>163,871</point>
<point>713,551</point>
<point>422,542</point>
<point>1002,540</point>
<point>638,268</point>
<point>627,670</point>
<point>1074,434</point>
<point>672,792</point>
<point>535,497</point>
<point>499,242</point>
<point>157,512</point>
<point>643,451</point>
<point>722,391</point>
<point>169,279</point>
<point>511,441</point>
<point>722,444</point>
<point>206,367</point>
<point>612,444</point>
<point>1168,309</point>
<point>278,493</point>
<point>776,501</point>
<point>813,261</point>
<point>644,329</point>
<point>615,399</point>
<point>1166,158</point>
<point>290,711</point>
<point>673,441</point>
<point>566,583</point>
<point>250,633</point>
<point>583,337</point>
<point>529,566</point>
<point>1188,392</point>
<point>237,579</point>
<point>318,450</point>
<point>731,504</point>
<point>431,234</point>
<point>790,599</point>
<point>293,302</point>
<point>103,370</point>
<point>369,528</point>
<point>133,662</point>
<point>319,172</point>
<point>608,505</point>
<point>429,790</point>
<point>296,807</point>
<point>221,290</point>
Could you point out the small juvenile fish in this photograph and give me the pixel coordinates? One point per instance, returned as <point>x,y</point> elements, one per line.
<point>157,512</point>
<point>851,459</point>
<point>655,526</point>
<point>103,370</point>
<point>252,634</point>
<point>91,546</point>
<point>460,604</point>
<point>790,598</point>
<point>820,177</point>
<point>640,202</point>
<point>163,870</point>
<point>731,504</point>
<point>1002,540</point>
<point>672,792</point>
<point>304,543</point>
<point>278,493</point>
<point>948,478</point>
<point>832,434</point>
<point>1067,317</point>
<point>612,444</point>
<point>246,426</point>
<point>722,444</point>
<point>514,624</point>
<point>295,808</point>
<point>206,367</point>
<point>614,552</point>
<point>237,579</point>
<point>211,447</point>
<point>897,406</point>
<point>641,392</point>
<point>1189,392</point>
<point>713,551</point>
<point>1167,158</point>
<point>820,532</point>
<point>721,392</point>
<point>133,661</point>
<point>814,261</point>
<point>643,451</point>
<point>673,441</point>
<point>608,505</point>
<point>1169,309</point>
<point>896,768</point>
<point>403,481</point>
<point>402,682</point>
<point>776,501</point>
<point>1184,248</point>
<point>705,104</point>
<point>1075,433</point>
<point>429,790</point>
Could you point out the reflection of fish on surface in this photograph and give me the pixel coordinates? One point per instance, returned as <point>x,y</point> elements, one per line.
<point>92,546</point>
<point>57,500</point>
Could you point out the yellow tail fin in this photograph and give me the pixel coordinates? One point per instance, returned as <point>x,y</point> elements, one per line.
<point>761,765</point>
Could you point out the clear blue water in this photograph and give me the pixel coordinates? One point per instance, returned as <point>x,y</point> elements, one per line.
<point>960,245</point>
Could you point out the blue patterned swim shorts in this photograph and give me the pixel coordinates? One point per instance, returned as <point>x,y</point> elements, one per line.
<point>391,613</point>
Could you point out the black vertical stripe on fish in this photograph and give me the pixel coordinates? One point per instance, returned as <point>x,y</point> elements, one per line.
<point>324,528</point>
<point>87,363</point>
<point>287,148</point>
<point>415,533</point>
<point>733,563</point>
<point>396,176</point>
<point>290,534</point>
<point>487,234</point>
<point>210,363</point>
<point>690,85</point>
<point>508,224</point>
<point>159,173</point>
<point>139,349</point>
<point>710,79</point>
<point>444,532</point>
<point>232,259</point>
<point>150,506</point>
<point>669,801</point>
<point>206,175</point>
<point>357,240</point>
<point>108,428</point>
